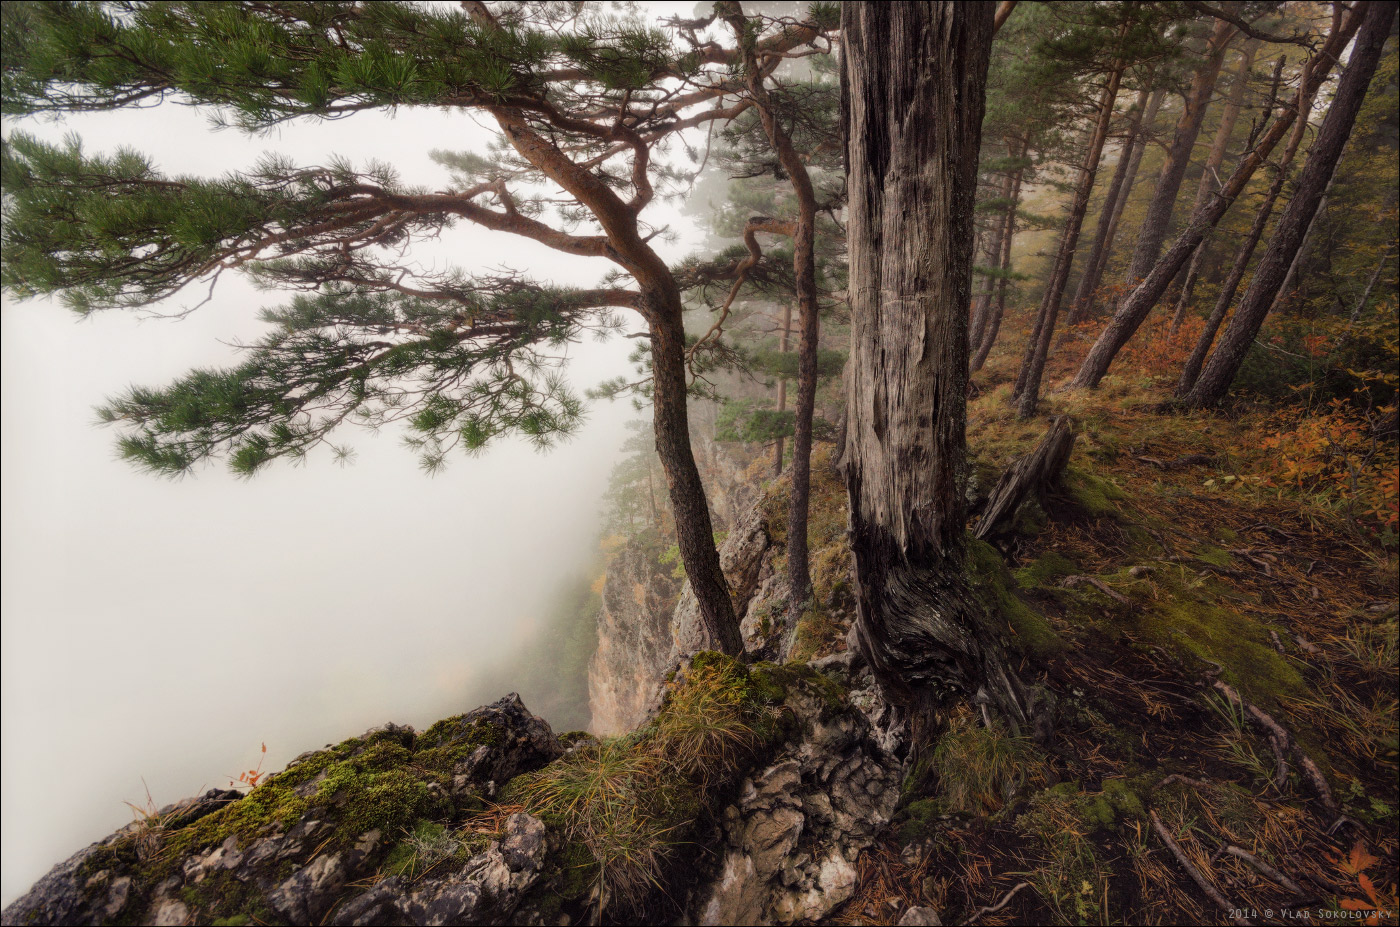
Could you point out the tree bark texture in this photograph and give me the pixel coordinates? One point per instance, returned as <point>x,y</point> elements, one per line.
<point>782,388</point>
<point>1210,173</point>
<point>1039,348</point>
<point>1293,225</point>
<point>1136,306</point>
<point>1033,473</point>
<point>913,79</point>
<point>1163,204</point>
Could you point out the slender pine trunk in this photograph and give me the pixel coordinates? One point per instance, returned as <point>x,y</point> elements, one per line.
<point>989,334</point>
<point>782,388</point>
<point>1210,173</point>
<point>1039,349</point>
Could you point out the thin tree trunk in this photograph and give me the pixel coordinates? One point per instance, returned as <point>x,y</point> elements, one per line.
<point>1370,288</point>
<point>989,335</point>
<point>1118,189</point>
<point>1288,237</point>
<point>983,307</point>
<point>782,388</point>
<point>1300,259</point>
<point>1163,204</point>
<point>1135,308</point>
<point>804,267</point>
<point>913,80</point>
<point>1192,369</point>
<point>1210,174</point>
<point>1039,348</point>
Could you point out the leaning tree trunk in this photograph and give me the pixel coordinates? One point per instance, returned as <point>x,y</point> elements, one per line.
<point>913,79</point>
<point>1230,287</point>
<point>1293,226</point>
<point>1039,349</point>
<point>1163,204</point>
<point>1135,308</point>
<point>1210,174</point>
<point>1089,280</point>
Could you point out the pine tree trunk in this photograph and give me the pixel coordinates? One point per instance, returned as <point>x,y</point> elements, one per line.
<point>1135,308</point>
<point>989,334</point>
<point>1210,174</point>
<point>1117,195</point>
<point>1163,204</point>
<point>782,388</point>
<point>982,311</point>
<point>695,535</point>
<point>913,80</point>
<point>1293,225</point>
<point>1192,369</point>
<point>1033,366</point>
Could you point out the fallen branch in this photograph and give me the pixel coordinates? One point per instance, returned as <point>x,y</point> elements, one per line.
<point>1265,868</point>
<point>1190,460</point>
<point>1193,872</point>
<point>994,908</point>
<point>1097,584</point>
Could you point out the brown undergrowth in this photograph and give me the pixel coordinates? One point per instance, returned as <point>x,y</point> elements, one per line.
<point>1162,566</point>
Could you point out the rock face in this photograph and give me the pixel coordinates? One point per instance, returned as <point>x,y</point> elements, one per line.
<point>396,827</point>
<point>791,839</point>
<point>634,639</point>
<point>741,557</point>
<point>298,848</point>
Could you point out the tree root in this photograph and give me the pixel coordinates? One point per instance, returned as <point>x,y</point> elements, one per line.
<point>1098,584</point>
<point>1282,743</point>
<point>1192,871</point>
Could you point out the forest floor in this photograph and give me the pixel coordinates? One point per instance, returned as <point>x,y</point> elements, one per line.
<point>1222,645</point>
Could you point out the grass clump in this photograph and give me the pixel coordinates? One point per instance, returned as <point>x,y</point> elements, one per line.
<point>981,769</point>
<point>1070,878</point>
<point>626,805</point>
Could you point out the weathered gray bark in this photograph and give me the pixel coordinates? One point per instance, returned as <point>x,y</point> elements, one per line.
<point>1293,225</point>
<point>1163,204</point>
<point>1140,121</point>
<point>913,78</point>
<point>1031,474</point>
<point>1210,173</point>
<point>1135,308</point>
<point>1033,366</point>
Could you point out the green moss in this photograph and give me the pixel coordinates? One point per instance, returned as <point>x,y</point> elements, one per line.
<point>1213,555</point>
<point>1044,570</point>
<point>1118,800</point>
<point>918,820</point>
<point>993,582</point>
<point>1185,615</point>
<point>1096,496</point>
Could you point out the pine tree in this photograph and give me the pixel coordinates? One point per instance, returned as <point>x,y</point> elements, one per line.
<point>583,100</point>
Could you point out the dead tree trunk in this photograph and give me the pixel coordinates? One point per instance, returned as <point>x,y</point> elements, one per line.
<point>1135,308</point>
<point>1293,225</point>
<point>1163,204</point>
<point>1033,366</point>
<point>913,79</point>
<point>1032,474</point>
<point>1210,174</point>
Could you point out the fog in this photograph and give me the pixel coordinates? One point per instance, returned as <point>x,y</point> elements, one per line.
<point>156,632</point>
